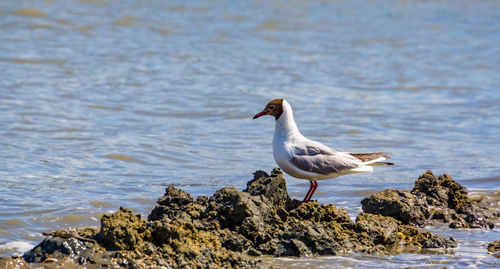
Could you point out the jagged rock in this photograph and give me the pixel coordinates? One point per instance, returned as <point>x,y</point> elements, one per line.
<point>173,205</point>
<point>494,246</point>
<point>17,262</point>
<point>400,205</point>
<point>443,189</point>
<point>412,237</point>
<point>56,247</point>
<point>432,198</point>
<point>232,228</point>
<point>122,230</point>
<point>382,229</point>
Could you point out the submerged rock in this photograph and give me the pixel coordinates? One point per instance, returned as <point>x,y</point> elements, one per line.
<point>232,228</point>
<point>10,262</point>
<point>432,199</point>
<point>494,246</point>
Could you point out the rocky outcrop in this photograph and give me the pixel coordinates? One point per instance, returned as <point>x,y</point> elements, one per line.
<point>433,199</point>
<point>232,228</point>
<point>494,246</point>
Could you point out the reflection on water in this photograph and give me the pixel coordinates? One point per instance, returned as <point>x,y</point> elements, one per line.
<point>104,103</point>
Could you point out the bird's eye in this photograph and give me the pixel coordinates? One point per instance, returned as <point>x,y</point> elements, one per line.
<point>271,106</point>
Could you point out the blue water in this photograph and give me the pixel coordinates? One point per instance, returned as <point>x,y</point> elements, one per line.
<point>104,103</point>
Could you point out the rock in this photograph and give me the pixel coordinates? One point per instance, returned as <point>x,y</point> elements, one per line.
<point>401,205</point>
<point>232,227</point>
<point>413,237</point>
<point>388,231</point>
<point>494,246</point>
<point>59,248</point>
<point>443,215</point>
<point>320,214</point>
<point>272,187</point>
<point>459,223</point>
<point>254,252</point>
<point>173,205</point>
<point>477,216</point>
<point>122,230</point>
<point>236,242</point>
<point>383,230</point>
<point>443,189</point>
<point>18,263</point>
<point>432,199</point>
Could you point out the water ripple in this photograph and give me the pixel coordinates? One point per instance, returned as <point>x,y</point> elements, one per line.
<point>105,103</point>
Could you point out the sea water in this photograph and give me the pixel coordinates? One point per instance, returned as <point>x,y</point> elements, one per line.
<point>105,103</point>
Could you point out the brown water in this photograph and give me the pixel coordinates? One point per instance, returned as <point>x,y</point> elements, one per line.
<point>104,103</point>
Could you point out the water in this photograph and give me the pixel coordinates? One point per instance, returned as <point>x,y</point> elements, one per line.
<point>104,103</point>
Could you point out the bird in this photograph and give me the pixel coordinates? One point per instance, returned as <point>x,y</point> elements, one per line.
<point>304,158</point>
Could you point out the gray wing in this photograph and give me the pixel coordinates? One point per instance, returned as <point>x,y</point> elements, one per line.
<point>318,158</point>
<point>311,149</point>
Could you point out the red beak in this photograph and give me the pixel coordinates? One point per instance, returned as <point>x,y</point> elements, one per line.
<point>260,114</point>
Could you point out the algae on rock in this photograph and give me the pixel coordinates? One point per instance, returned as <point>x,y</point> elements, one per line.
<point>432,198</point>
<point>232,227</point>
<point>494,246</point>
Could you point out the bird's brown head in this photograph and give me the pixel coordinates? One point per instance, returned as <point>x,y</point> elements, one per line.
<point>273,108</point>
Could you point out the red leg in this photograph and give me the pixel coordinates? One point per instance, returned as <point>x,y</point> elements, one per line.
<point>311,186</point>
<point>312,189</point>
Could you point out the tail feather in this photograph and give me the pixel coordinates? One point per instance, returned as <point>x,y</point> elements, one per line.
<point>373,159</point>
<point>380,163</point>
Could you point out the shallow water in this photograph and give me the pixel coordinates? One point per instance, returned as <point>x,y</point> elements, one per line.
<point>104,103</point>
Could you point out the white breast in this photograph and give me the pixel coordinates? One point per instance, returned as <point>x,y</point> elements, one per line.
<point>282,156</point>
<point>282,153</point>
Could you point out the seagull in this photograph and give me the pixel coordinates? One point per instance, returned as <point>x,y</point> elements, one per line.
<point>304,158</point>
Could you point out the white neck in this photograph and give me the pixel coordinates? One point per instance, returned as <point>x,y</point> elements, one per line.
<point>285,125</point>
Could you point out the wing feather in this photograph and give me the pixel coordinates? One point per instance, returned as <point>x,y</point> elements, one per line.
<point>366,157</point>
<point>315,157</point>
